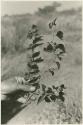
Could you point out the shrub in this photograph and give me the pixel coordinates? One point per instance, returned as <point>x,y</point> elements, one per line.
<point>33,75</point>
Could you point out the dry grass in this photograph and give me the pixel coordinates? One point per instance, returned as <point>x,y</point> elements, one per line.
<point>70,74</point>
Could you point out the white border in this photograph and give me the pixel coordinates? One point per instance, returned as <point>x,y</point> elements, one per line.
<point>0,41</point>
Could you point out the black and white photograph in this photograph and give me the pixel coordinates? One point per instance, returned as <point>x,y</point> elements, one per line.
<point>41,62</point>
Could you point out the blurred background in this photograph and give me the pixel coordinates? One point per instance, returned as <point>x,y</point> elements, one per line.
<point>17,17</point>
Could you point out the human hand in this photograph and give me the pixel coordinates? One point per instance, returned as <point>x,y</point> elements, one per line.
<point>12,85</point>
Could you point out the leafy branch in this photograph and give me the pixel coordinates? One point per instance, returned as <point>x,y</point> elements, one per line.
<point>33,76</point>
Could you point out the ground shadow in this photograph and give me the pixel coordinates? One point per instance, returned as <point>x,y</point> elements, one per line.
<point>10,108</point>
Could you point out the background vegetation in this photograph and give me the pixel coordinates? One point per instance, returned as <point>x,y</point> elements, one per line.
<point>14,50</point>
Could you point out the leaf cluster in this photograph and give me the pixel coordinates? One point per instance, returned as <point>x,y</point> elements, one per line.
<point>51,94</point>
<point>47,94</point>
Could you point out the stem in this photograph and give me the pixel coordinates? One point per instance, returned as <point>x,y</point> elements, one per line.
<point>53,31</point>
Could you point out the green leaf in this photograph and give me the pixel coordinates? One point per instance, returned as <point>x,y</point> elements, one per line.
<point>58,65</point>
<point>36,54</point>
<point>37,39</point>
<point>34,79</point>
<point>49,48</point>
<point>51,71</point>
<point>41,98</point>
<point>38,60</point>
<point>34,71</point>
<point>54,87</point>
<point>53,97</point>
<point>32,46</point>
<point>33,66</point>
<point>59,57</point>
<point>34,26</point>
<point>53,23</point>
<point>37,85</point>
<point>61,93</point>
<point>36,45</point>
<point>47,99</point>
<point>62,86</point>
<point>43,88</point>
<point>60,46</point>
<point>49,90</point>
<point>62,98</point>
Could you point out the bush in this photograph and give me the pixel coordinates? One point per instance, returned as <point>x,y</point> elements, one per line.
<point>33,75</point>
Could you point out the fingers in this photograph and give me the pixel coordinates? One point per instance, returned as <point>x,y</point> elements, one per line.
<point>27,88</point>
<point>20,80</point>
<point>24,86</point>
